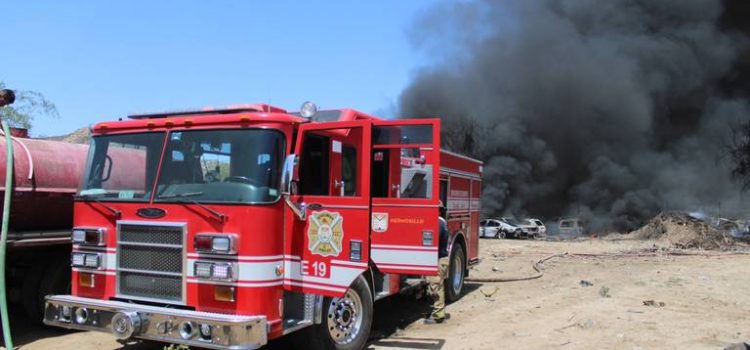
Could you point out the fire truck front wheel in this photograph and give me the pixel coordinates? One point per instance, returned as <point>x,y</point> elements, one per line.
<point>346,321</point>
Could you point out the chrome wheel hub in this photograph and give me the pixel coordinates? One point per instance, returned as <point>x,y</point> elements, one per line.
<point>345,318</point>
<point>458,281</point>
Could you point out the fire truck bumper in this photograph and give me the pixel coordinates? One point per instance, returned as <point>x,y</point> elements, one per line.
<point>126,321</point>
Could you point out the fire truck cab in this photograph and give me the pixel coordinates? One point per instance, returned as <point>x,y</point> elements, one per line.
<point>226,228</point>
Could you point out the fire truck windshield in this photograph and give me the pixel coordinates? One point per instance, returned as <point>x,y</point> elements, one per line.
<point>210,166</point>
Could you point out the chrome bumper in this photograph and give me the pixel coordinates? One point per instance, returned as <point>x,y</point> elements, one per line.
<point>125,321</point>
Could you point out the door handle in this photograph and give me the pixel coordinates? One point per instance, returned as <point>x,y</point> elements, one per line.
<point>315,206</point>
<point>340,185</point>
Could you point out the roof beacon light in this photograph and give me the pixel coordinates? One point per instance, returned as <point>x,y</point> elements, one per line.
<point>308,110</point>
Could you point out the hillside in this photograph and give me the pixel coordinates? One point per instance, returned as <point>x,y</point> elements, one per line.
<point>81,135</point>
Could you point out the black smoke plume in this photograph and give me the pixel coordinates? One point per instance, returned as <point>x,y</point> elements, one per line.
<point>608,110</point>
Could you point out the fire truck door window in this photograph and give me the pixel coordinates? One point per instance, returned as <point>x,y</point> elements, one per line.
<point>416,175</point>
<point>402,135</point>
<point>408,173</point>
<point>314,165</point>
<point>444,191</point>
<point>379,175</point>
<point>349,170</point>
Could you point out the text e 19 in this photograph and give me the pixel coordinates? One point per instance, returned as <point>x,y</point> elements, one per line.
<point>315,269</point>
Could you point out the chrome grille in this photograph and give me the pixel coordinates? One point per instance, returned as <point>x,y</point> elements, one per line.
<point>150,260</point>
<point>151,234</point>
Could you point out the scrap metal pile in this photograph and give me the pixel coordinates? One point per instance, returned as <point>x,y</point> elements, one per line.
<point>691,231</point>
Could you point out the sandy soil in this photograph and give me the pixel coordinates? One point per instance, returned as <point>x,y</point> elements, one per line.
<point>704,298</point>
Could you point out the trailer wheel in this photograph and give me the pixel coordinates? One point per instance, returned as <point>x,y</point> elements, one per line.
<point>346,321</point>
<point>454,285</point>
<point>56,280</point>
<point>30,289</point>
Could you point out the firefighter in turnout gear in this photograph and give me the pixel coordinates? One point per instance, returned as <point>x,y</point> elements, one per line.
<point>437,283</point>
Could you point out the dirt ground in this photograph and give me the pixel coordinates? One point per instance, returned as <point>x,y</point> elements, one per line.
<point>699,302</point>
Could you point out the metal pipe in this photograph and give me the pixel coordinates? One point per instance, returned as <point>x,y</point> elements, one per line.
<point>4,235</point>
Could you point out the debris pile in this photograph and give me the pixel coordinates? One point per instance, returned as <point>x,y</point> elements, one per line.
<point>683,231</point>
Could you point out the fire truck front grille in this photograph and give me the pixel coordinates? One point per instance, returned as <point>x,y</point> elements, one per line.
<point>156,259</point>
<point>150,260</point>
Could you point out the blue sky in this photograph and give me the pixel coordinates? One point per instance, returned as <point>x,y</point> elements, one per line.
<point>100,60</point>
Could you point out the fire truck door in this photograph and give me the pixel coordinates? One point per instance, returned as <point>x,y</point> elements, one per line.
<point>325,252</point>
<point>405,189</point>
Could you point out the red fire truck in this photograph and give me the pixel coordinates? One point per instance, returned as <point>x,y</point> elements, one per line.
<point>225,228</point>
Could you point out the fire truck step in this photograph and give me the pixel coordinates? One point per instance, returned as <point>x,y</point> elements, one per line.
<point>411,285</point>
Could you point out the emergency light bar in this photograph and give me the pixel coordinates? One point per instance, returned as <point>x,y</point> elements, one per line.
<point>251,108</point>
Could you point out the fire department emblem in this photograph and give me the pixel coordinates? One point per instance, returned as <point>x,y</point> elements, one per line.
<point>325,233</point>
<point>379,222</point>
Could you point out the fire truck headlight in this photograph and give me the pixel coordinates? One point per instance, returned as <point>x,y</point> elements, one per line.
<point>217,243</point>
<point>215,270</point>
<point>92,260</point>
<point>78,259</point>
<point>79,236</point>
<point>221,244</point>
<point>203,269</point>
<point>89,236</point>
<point>223,271</point>
<point>85,260</point>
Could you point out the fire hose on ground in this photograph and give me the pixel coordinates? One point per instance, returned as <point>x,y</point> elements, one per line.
<point>538,266</point>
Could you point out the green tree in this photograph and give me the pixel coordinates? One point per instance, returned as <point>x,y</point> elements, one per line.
<point>28,105</point>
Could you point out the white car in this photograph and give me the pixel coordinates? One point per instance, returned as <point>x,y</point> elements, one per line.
<point>532,228</point>
<point>494,228</point>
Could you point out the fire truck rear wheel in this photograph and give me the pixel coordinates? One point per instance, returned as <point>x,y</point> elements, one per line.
<point>346,321</point>
<point>454,285</point>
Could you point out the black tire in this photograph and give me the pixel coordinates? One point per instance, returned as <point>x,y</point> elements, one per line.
<point>321,336</point>
<point>56,280</point>
<point>500,234</point>
<point>454,284</point>
<point>30,289</point>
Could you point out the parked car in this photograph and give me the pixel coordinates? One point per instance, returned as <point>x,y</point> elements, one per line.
<point>532,228</point>
<point>512,227</point>
<point>570,227</point>
<point>735,228</point>
<point>490,229</point>
<point>498,228</point>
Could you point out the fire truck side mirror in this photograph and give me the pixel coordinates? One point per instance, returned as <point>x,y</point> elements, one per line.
<point>287,174</point>
<point>287,181</point>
